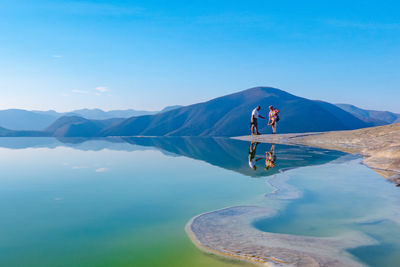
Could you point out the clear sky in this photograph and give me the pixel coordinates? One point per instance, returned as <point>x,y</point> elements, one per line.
<point>65,55</point>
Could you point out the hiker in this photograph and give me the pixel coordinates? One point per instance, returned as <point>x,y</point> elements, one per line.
<point>254,116</point>
<point>273,118</point>
<point>252,155</point>
<point>270,158</point>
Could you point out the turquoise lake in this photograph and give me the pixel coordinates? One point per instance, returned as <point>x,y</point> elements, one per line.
<point>126,201</point>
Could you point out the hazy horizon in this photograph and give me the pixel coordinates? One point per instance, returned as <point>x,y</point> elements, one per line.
<point>68,55</point>
<point>136,109</point>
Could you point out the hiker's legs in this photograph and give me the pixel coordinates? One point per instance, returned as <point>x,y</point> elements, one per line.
<point>256,126</point>
<point>252,129</point>
<point>273,127</point>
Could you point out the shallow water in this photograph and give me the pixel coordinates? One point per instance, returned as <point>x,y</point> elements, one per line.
<point>339,198</point>
<point>125,202</point>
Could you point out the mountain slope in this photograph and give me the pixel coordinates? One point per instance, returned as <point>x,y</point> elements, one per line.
<point>169,108</point>
<point>74,126</point>
<point>372,117</point>
<point>230,116</point>
<point>18,119</point>
<point>98,114</point>
<point>12,133</point>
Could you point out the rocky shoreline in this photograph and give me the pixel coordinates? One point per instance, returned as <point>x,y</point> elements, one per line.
<point>379,146</point>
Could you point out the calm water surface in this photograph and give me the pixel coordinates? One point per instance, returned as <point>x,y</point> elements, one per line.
<point>125,202</point>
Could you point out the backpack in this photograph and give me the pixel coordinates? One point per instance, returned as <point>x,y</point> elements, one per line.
<point>276,115</point>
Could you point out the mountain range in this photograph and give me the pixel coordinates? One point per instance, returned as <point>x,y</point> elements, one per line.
<point>223,116</point>
<point>230,116</point>
<point>372,117</point>
<point>35,120</point>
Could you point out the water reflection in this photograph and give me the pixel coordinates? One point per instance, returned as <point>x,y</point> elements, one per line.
<point>252,155</point>
<point>235,155</point>
<point>270,158</point>
<point>133,194</point>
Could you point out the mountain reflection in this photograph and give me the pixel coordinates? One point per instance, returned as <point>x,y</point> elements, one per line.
<point>235,155</point>
<point>250,159</point>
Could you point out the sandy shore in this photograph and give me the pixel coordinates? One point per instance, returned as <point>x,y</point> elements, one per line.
<point>380,146</point>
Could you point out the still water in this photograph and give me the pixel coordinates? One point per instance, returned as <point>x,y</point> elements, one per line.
<point>125,202</point>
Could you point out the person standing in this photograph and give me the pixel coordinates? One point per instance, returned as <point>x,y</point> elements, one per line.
<point>270,158</point>
<point>273,118</point>
<point>252,155</point>
<point>254,117</point>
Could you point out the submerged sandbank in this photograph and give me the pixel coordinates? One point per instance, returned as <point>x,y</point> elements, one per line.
<point>229,232</point>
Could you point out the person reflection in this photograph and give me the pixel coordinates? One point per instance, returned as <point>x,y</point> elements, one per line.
<point>252,155</point>
<point>270,158</point>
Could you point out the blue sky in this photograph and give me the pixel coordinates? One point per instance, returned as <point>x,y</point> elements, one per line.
<point>65,55</point>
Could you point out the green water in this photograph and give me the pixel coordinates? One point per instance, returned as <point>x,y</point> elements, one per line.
<point>125,202</point>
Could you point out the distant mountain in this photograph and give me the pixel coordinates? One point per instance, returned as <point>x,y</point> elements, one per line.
<point>98,114</point>
<point>36,120</point>
<point>372,117</point>
<point>48,112</point>
<point>18,119</point>
<point>223,116</point>
<point>74,126</point>
<point>169,108</point>
<point>12,133</point>
<point>230,116</point>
